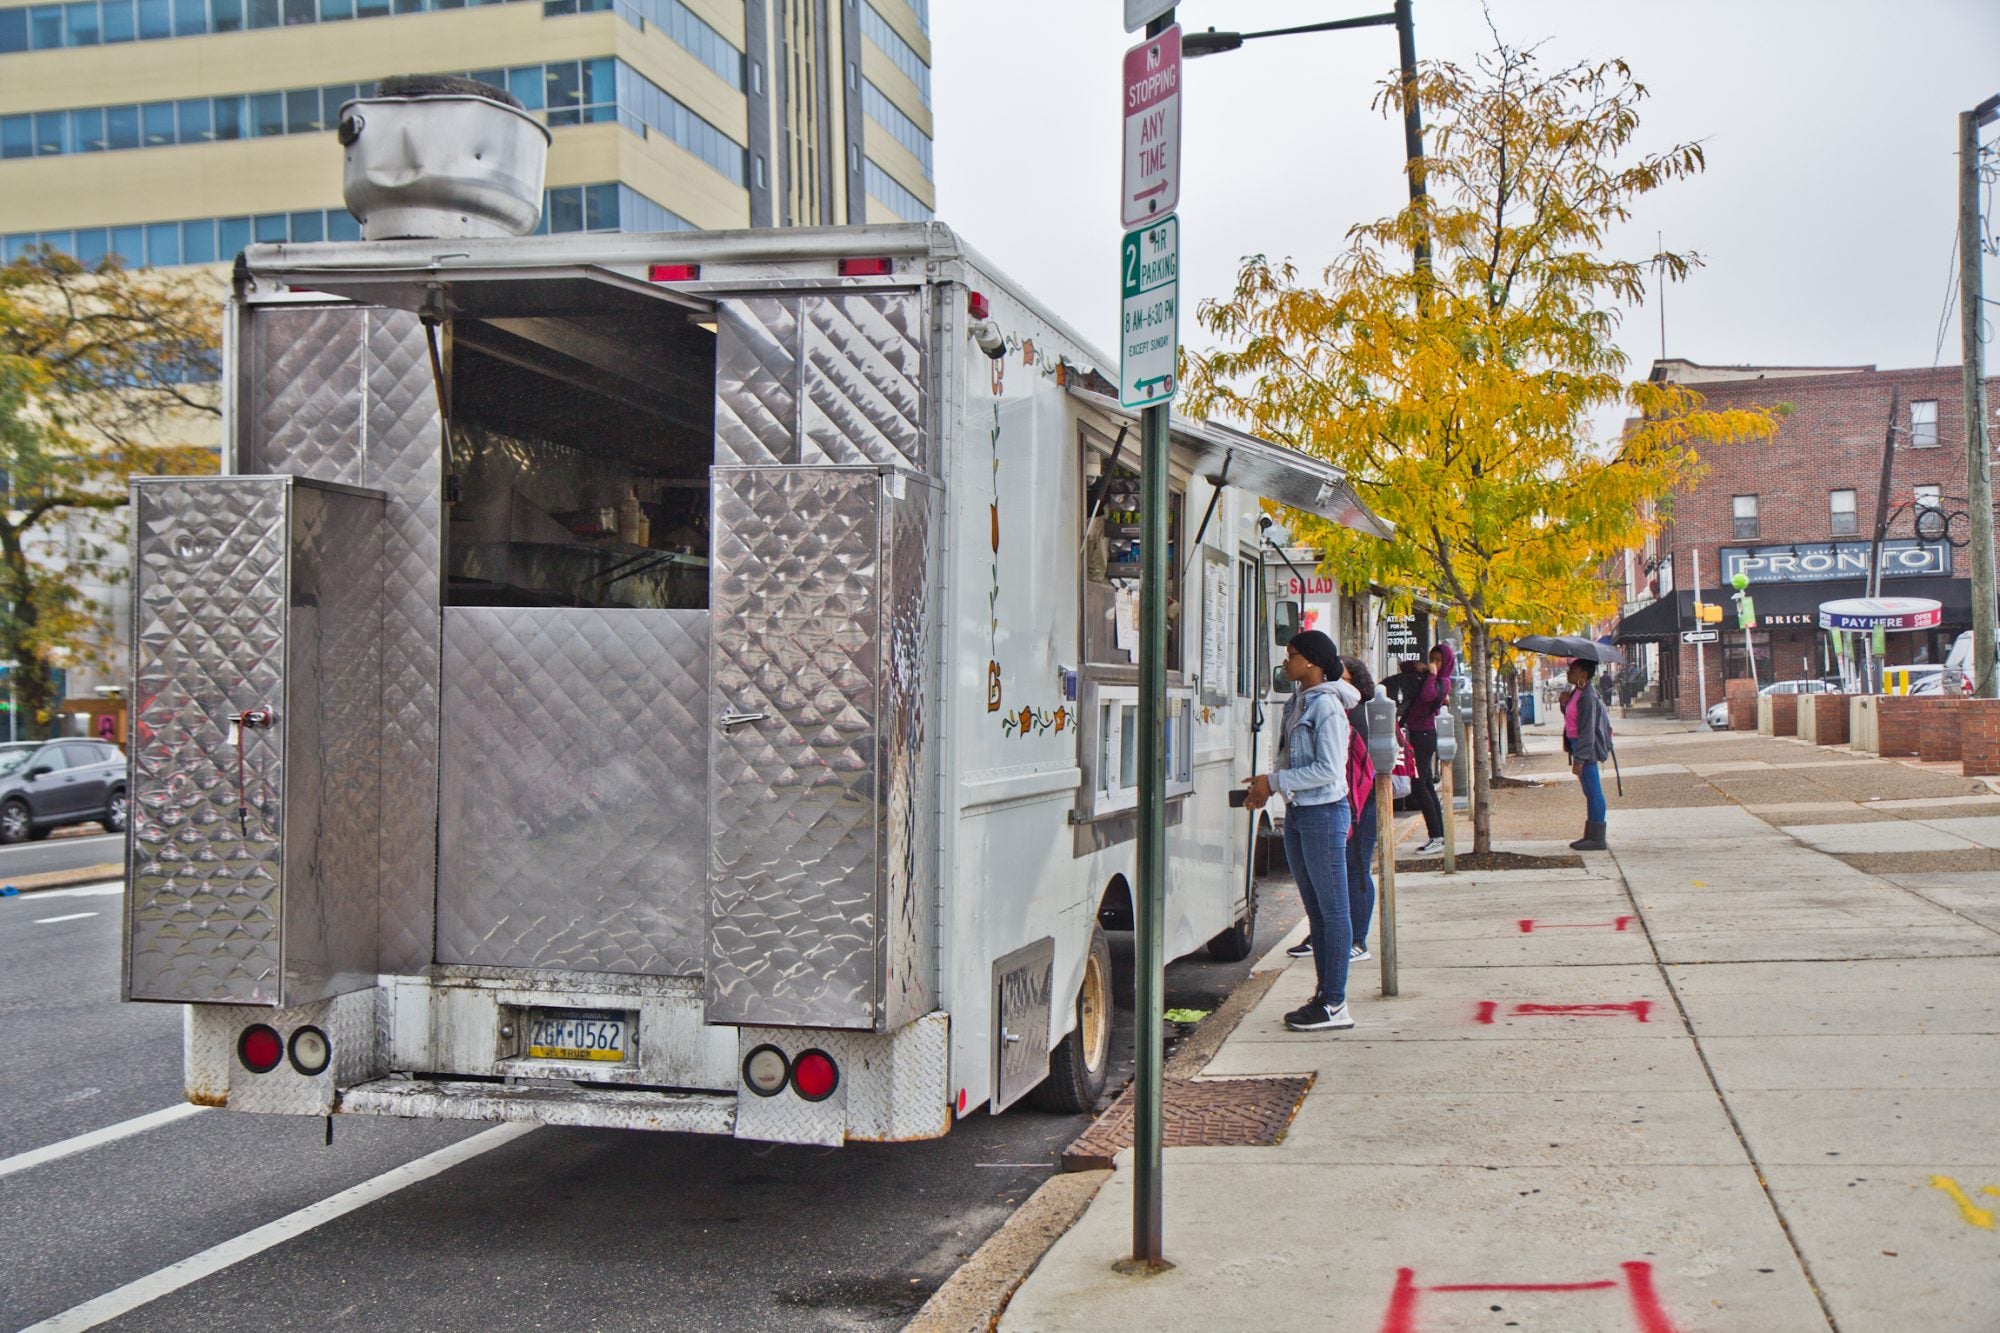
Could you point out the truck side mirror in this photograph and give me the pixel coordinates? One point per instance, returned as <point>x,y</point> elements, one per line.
<point>1280,682</point>
<point>1285,624</point>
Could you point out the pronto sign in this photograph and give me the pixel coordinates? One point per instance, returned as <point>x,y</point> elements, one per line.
<point>1149,332</point>
<point>1151,187</point>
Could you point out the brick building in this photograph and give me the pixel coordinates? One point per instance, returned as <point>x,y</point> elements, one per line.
<point>1797,513</point>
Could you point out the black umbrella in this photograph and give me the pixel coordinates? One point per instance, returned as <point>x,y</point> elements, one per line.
<point>1571,645</point>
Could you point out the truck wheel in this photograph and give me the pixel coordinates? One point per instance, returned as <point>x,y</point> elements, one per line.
<point>1233,945</point>
<point>1081,1062</point>
<point>16,824</point>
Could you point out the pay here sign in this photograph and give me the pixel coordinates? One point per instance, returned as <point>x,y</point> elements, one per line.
<point>1152,181</point>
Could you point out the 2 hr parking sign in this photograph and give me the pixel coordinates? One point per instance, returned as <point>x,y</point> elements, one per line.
<point>1149,332</point>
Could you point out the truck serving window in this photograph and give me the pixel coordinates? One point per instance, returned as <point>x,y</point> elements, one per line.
<point>1111,567</point>
<point>579,461</point>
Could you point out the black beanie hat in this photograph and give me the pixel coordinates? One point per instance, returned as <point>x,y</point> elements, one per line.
<point>1320,650</point>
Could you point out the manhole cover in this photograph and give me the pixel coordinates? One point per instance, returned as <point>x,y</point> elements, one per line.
<point>1198,1113</point>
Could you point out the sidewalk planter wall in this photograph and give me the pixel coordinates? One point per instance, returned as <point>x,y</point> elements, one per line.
<point>1784,713</point>
<point>1809,722</point>
<point>1742,696</point>
<point>1829,718</point>
<point>1937,730</point>
<point>1765,720</point>
<point>1979,733</point>
<point>1896,724</point>
<point>1861,723</point>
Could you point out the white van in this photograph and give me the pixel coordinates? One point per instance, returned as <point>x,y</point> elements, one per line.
<point>1958,662</point>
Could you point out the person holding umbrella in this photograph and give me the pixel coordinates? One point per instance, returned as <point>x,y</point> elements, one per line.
<point>1586,724</point>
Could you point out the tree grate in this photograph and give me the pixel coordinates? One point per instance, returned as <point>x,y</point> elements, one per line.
<point>1197,1113</point>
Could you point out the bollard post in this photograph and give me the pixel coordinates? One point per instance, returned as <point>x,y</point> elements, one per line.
<point>1385,905</point>
<point>1448,799</point>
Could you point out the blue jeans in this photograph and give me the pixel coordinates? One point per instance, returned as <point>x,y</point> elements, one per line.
<point>1593,793</point>
<point>1316,849</point>
<point>1360,875</point>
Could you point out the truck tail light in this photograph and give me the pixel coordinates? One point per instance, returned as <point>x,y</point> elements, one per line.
<point>260,1048</point>
<point>815,1076</point>
<point>311,1052</point>
<point>975,305</point>
<point>765,1071</point>
<point>673,272</point>
<point>866,268</point>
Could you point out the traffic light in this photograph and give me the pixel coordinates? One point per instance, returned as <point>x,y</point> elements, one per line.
<point>1708,613</point>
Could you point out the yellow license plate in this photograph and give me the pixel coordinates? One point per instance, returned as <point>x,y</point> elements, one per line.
<point>570,1034</point>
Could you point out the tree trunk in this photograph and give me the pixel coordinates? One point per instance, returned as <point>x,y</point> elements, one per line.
<point>1514,745</point>
<point>1482,729</point>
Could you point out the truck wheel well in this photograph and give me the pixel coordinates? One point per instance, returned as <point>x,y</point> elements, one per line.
<point>1114,910</point>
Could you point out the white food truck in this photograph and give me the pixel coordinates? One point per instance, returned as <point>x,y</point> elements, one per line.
<point>677,682</point>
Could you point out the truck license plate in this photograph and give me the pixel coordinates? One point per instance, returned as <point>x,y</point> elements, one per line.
<point>574,1034</point>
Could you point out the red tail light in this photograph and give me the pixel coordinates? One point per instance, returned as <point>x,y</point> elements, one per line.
<point>673,272</point>
<point>975,304</point>
<point>815,1076</point>
<point>260,1048</point>
<point>866,268</point>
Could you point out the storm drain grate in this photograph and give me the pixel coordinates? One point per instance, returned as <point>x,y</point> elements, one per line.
<point>1198,1113</point>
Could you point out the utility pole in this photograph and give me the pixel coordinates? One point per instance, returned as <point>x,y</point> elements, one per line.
<point>1413,136</point>
<point>1700,649</point>
<point>1978,462</point>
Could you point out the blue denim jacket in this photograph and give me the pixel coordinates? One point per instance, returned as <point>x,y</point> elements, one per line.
<point>1312,751</point>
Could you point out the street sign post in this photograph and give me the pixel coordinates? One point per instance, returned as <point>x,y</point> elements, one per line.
<point>1151,185</point>
<point>1699,636</point>
<point>1149,332</point>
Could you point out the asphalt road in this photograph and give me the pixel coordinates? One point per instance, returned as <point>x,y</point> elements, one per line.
<point>555,1228</point>
<point>65,851</point>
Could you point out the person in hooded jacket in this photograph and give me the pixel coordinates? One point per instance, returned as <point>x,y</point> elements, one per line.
<point>1432,697</point>
<point>1312,777</point>
<point>1587,737</point>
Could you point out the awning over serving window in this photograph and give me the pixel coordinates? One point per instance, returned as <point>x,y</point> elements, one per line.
<point>1277,471</point>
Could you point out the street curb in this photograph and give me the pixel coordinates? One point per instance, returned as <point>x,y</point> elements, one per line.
<point>973,1298</point>
<point>63,879</point>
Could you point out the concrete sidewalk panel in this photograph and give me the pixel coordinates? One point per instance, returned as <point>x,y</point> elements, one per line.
<point>1869,1127</point>
<point>1825,945</point>
<point>1963,1061</point>
<point>1982,829</point>
<point>1581,981</point>
<point>1258,1245</point>
<point>1451,1004</point>
<point>1891,1251</point>
<point>1416,1067</point>
<point>1901,835</point>
<point>1466,945</point>
<point>1973,894</point>
<point>1872,978</point>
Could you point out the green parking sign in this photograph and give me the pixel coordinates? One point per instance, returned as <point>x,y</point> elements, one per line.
<point>1149,333</point>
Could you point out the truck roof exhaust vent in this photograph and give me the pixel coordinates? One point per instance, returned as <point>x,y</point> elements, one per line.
<point>435,156</point>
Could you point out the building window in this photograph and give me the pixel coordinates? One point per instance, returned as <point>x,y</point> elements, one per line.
<point>756,76</point>
<point>1745,528</point>
<point>901,128</point>
<point>1927,497</point>
<point>1846,522</point>
<point>1923,424</point>
<point>901,54</point>
<point>757,172</point>
<point>891,194</point>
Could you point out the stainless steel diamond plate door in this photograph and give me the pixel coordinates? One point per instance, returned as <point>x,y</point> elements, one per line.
<point>795,665</point>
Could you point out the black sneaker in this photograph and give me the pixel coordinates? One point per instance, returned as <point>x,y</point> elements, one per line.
<point>1318,1017</point>
<point>1303,949</point>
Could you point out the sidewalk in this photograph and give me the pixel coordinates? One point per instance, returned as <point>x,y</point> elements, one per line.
<point>1765,1101</point>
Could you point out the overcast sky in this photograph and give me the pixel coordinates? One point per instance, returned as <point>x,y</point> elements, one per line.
<point>1825,218</point>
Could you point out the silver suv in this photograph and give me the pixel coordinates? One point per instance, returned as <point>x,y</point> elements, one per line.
<point>45,785</point>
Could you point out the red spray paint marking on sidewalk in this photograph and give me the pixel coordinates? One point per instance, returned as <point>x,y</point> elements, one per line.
<point>1529,925</point>
<point>1639,1009</point>
<point>1648,1315</point>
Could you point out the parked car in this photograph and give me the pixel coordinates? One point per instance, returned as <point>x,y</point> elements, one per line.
<point>1718,715</point>
<point>1925,678</point>
<point>45,785</point>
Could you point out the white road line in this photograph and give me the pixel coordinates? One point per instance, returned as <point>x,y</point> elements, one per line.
<point>99,890</point>
<point>213,1260</point>
<point>73,916</point>
<point>124,1129</point>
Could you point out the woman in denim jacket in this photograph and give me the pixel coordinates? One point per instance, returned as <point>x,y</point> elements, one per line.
<point>1312,777</point>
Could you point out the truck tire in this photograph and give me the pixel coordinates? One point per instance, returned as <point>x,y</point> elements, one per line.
<point>1081,1062</point>
<point>1233,945</point>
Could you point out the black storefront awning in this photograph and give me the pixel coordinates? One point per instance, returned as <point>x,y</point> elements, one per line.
<point>1796,605</point>
<point>1664,619</point>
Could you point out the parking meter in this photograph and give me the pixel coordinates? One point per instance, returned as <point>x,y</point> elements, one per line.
<point>1447,736</point>
<point>1460,759</point>
<point>1381,714</point>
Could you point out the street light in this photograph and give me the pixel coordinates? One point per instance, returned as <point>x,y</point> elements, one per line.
<point>1196,44</point>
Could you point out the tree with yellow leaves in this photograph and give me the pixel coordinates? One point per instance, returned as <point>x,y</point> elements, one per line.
<point>105,374</point>
<point>1458,393</point>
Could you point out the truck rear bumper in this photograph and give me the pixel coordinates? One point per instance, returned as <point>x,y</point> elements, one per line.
<point>599,1108</point>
